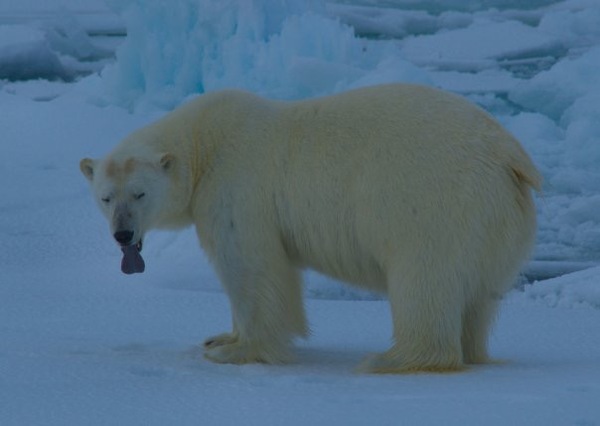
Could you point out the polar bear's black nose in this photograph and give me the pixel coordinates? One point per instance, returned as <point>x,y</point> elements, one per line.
<point>123,237</point>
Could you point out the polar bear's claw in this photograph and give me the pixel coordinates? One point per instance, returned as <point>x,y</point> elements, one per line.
<point>219,340</point>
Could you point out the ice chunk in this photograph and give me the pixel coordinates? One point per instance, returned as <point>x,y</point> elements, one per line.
<point>26,54</point>
<point>56,49</point>
<point>554,91</point>
<point>286,49</point>
<point>382,22</point>
<point>66,36</point>
<point>479,46</point>
<point>577,25</point>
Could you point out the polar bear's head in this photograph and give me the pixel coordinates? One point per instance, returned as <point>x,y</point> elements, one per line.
<point>132,192</point>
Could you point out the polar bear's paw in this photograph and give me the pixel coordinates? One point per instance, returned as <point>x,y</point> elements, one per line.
<point>230,349</point>
<point>392,362</point>
<point>220,340</point>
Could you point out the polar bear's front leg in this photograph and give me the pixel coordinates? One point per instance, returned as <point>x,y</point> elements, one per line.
<point>266,302</point>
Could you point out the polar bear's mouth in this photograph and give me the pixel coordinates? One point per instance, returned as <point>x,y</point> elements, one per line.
<point>132,261</point>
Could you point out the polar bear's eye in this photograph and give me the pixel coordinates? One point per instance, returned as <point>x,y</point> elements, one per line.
<point>106,200</point>
<point>140,195</point>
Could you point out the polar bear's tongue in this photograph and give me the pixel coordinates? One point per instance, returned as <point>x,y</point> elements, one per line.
<point>132,261</point>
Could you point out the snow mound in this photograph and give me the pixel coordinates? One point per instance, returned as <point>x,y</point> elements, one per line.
<point>577,289</point>
<point>287,49</point>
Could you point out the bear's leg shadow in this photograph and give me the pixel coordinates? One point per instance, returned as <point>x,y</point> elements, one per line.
<point>265,295</point>
<point>427,318</point>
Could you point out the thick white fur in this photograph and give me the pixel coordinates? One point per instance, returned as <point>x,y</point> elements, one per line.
<point>402,189</point>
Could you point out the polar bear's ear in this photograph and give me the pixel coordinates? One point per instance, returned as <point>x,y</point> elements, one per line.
<point>87,168</point>
<point>166,161</point>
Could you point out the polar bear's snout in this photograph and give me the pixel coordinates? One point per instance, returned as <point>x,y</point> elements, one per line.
<point>124,224</point>
<point>124,238</point>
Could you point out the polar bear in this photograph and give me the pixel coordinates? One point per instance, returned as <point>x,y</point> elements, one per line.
<point>402,189</point>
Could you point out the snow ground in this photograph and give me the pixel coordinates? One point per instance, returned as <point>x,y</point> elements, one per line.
<point>83,344</point>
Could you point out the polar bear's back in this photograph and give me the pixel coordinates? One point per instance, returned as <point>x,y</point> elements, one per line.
<point>406,119</point>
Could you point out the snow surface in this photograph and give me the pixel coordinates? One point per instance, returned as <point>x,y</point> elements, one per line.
<point>84,344</point>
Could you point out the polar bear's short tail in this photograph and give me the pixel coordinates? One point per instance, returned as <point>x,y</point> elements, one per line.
<point>523,168</point>
<point>528,174</point>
